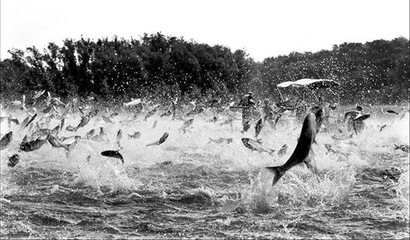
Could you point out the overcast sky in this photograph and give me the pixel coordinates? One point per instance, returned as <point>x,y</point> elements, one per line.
<point>263,28</point>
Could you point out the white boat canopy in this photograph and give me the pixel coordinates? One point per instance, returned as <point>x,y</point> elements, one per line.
<point>311,83</point>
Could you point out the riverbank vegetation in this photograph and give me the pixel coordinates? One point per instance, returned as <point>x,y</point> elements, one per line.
<point>166,67</point>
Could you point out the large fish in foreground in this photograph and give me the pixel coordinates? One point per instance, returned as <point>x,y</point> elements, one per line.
<point>256,145</point>
<point>301,152</point>
<point>160,141</point>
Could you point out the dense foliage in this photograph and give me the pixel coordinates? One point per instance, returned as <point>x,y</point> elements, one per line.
<point>376,71</point>
<point>166,67</point>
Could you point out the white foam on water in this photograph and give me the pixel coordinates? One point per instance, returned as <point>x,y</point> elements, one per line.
<point>194,149</point>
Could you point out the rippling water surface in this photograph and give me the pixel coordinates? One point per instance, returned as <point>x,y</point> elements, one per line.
<point>192,187</point>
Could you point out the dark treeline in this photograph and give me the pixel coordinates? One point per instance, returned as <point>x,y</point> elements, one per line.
<point>163,67</point>
<point>374,72</point>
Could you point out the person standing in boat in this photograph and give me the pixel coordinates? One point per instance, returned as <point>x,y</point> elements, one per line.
<point>248,104</point>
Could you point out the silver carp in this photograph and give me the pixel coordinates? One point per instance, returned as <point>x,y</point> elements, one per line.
<point>301,152</point>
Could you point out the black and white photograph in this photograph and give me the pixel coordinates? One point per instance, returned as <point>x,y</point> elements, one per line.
<point>204,119</point>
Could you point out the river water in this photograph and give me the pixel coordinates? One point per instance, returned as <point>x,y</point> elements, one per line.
<point>191,187</point>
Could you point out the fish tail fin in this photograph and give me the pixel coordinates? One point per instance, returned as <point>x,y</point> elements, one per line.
<point>277,174</point>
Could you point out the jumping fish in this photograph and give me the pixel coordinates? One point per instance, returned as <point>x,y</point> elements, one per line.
<point>70,140</point>
<point>54,142</point>
<point>150,114</point>
<point>246,126</point>
<point>167,113</point>
<point>83,121</point>
<point>197,110</point>
<point>382,127</point>
<point>301,152</point>
<point>81,109</point>
<point>113,154</point>
<point>133,102</point>
<point>40,133</point>
<point>114,114</point>
<point>90,134</point>
<point>351,115</point>
<point>160,141</point>
<point>38,94</point>
<point>58,102</point>
<point>93,113</point>
<point>362,117</point>
<point>5,140</point>
<point>256,145</point>
<point>214,119</point>
<point>392,111</point>
<point>221,140</point>
<point>14,120</point>
<point>187,124</point>
<point>13,160</point>
<point>71,128</point>
<point>403,147</point>
<point>29,120</point>
<point>119,137</point>
<point>62,123</point>
<point>258,127</point>
<point>107,119</point>
<point>48,109</point>
<point>55,130</point>
<point>33,145</point>
<point>101,136</point>
<point>10,120</point>
<point>25,140</point>
<point>329,148</point>
<point>135,135</point>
